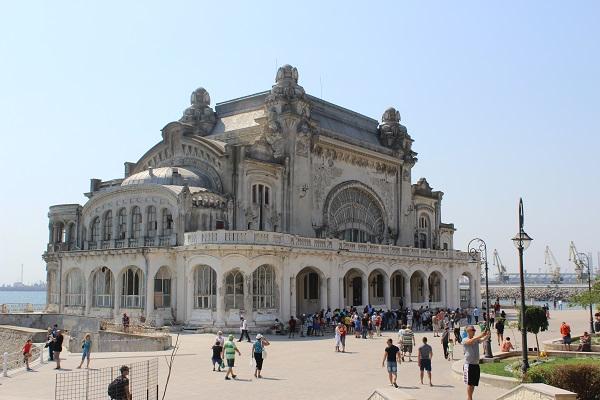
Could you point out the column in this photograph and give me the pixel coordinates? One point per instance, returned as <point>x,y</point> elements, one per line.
<point>407,293</point>
<point>149,293</point>
<point>117,297</point>
<point>365,290</point>
<point>220,302</point>
<point>89,287</point>
<point>293,296</point>
<point>248,311</point>
<point>426,290</point>
<point>340,303</point>
<point>323,292</point>
<point>387,298</point>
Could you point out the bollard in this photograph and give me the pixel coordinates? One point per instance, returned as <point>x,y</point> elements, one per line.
<point>5,364</point>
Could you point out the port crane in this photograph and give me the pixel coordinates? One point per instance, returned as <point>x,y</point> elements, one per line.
<point>575,259</point>
<point>502,275</point>
<point>553,266</point>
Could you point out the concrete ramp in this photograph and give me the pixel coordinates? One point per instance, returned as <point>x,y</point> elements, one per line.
<point>537,391</point>
<point>390,394</point>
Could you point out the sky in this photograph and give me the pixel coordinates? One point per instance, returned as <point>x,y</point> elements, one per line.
<point>501,99</point>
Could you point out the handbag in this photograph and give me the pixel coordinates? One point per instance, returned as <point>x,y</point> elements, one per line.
<point>264,353</point>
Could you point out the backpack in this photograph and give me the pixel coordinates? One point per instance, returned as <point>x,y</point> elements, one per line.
<point>116,389</point>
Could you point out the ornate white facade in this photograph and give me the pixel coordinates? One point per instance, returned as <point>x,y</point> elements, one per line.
<point>271,205</point>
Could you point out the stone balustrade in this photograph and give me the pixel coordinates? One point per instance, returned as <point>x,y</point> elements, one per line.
<point>288,240</point>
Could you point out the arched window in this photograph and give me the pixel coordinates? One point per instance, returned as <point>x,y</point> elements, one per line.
<point>95,230</point>
<point>354,215</point>
<point>261,194</point>
<point>167,222</point>
<point>122,224</point>
<point>107,227</point>
<point>136,222</point>
<point>102,288</point>
<point>151,224</point>
<point>423,240</point>
<point>205,287</point>
<point>71,238</point>
<point>423,222</point>
<point>397,285</point>
<point>132,292</point>
<point>234,290</point>
<point>263,287</point>
<point>311,286</point>
<point>162,288</point>
<point>74,293</point>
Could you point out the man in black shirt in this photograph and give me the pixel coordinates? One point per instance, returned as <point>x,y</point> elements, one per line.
<point>57,347</point>
<point>392,356</point>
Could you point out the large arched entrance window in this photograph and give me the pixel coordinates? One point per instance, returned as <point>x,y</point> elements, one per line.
<point>376,287</point>
<point>74,291</point>
<point>308,296</point>
<point>354,214</point>
<point>205,287</point>
<point>132,291</point>
<point>398,288</point>
<point>465,287</point>
<point>264,292</point>
<point>417,287</point>
<point>234,290</point>
<point>435,287</point>
<point>102,288</point>
<point>355,288</point>
<point>162,288</point>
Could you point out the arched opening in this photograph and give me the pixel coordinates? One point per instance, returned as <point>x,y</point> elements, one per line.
<point>465,287</point>
<point>107,226</point>
<point>95,230</point>
<point>122,224</point>
<point>355,288</point>
<point>132,291</point>
<point>167,222</point>
<point>435,288</point>
<point>417,287</point>
<point>151,223</point>
<point>264,288</point>
<point>398,290</point>
<point>205,288</point>
<point>136,223</point>
<point>102,288</point>
<point>377,288</point>
<point>423,238</point>
<point>234,290</point>
<point>162,288</point>
<point>71,237</point>
<point>308,293</point>
<point>74,288</point>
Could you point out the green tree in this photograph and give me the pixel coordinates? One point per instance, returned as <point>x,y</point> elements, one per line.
<point>584,298</point>
<point>536,321</point>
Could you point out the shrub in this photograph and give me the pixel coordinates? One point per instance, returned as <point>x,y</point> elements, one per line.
<point>583,379</point>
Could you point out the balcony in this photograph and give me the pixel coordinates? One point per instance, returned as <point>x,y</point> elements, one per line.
<point>287,240</point>
<point>157,241</point>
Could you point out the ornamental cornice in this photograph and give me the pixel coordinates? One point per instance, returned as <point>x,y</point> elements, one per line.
<point>341,151</point>
<point>129,190</point>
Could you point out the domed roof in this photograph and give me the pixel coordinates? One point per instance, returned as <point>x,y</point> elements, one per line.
<point>167,176</point>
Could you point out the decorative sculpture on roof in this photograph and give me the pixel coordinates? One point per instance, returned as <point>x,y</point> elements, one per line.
<point>286,95</point>
<point>199,114</point>
<point>394,135</point>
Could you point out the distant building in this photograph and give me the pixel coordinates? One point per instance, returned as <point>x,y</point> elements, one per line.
<point>271,205</point>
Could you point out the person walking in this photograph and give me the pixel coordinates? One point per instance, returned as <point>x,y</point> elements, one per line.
<point>408,341</point>
<point>597,322</point>
<point>392,356</point>
<point>291,327</point>
<point>340,338</point>
<point>27,353</point>
<point>50,344</point>
<point>86,350</point>
<point>259,353</point>
<point>424,356</point>
<point>244,330</point>
<point>476,315</point>
<point>229,350</point>
<point>500,330</point>
<point>378,321</point>
<point>118,389</point>
<point>217,350</point>
<point>471,371</point>
<point>57,347</point>
<point>444,341</point>
<point>565,332</point>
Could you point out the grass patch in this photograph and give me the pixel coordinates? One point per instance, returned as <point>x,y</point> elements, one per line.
<point>499,368</point>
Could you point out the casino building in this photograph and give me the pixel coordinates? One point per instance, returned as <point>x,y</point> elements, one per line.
<point>269,205</point>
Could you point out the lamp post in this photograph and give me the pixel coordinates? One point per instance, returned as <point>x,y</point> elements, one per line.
<point>582,258</point>
<point>522,241</point>
<point>478,249</point>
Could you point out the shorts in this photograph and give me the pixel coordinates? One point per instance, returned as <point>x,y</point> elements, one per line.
<point>343,340</point>
<point>567,339</point>
<point>217,360</point>
<point>230,362</point>
<point>407,348</point>
<point>392,367</point>
<point>26,356</point>
<point>471,374</point>
<point>85,354</point>
<point>425,364</point>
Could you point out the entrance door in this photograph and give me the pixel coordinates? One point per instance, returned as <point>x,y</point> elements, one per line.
<point>357,291</point>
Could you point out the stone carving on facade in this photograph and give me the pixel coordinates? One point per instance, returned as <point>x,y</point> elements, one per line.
<point>356,159</point>
<point>199,114</point>
<point>386,192</point>
<point>323,176</point>
<point>394,135</point>
<point>304,134</point>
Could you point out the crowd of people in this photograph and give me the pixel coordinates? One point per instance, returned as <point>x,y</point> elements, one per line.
<point>550,294</point>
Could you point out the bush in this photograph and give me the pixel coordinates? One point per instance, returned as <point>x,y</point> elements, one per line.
<point>583,379</point>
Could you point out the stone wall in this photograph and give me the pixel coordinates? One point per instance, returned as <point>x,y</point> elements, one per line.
<point>12,338</point>
<point>108,341</point>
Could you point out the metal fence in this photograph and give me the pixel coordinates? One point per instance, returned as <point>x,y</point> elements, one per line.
<point>14,361</point>
<point>92,384</point>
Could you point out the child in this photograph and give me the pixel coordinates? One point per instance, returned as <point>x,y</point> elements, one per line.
<point>450,349</point>
<point>216,356</point>
<point>507,345</point>
<point>86,350</point>
<point>27,353</point>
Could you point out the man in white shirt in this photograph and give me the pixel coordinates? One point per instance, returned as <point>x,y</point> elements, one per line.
<point>244,330</point>
<point>476,314</point>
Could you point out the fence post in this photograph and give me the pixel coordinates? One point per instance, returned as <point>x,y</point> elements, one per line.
<point>5,364</point>
<point>42,354</point>
<point>87,384</point>
<point>147,379</point>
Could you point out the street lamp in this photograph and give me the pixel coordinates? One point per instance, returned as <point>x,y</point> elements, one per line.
<point>522,241</point>
<point>478,250</point>
<point>582,258</point>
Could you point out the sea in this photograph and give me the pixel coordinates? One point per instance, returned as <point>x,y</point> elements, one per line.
<point>33,297</point>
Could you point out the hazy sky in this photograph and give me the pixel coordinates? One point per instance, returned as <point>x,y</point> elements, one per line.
<point>501,100</point>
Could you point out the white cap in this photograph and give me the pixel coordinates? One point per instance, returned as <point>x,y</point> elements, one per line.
<point>259,336</point>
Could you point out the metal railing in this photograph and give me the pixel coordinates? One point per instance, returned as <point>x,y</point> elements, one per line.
<point>132,301</point>
<point>11,308</point>
<point>284,239</point>
<point>75,300</point>
<point>103,300</point>
<point>15,360</point>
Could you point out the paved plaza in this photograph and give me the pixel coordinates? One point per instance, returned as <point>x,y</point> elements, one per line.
<point>301,368</point>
